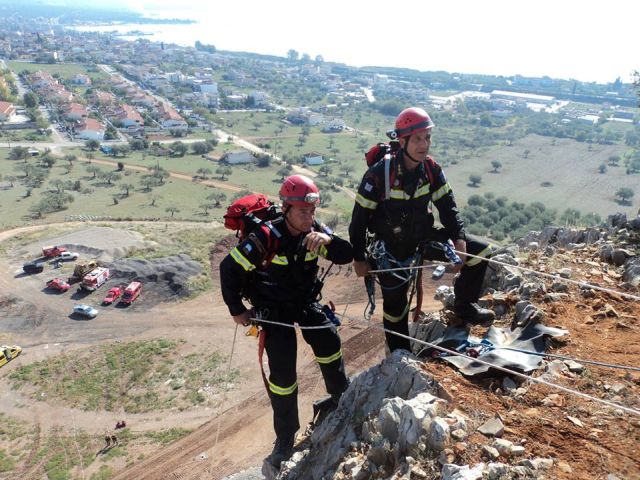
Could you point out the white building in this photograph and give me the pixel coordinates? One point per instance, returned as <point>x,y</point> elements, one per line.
<point>313,158</point>
<point>236,157</point>
<point>523,97</point>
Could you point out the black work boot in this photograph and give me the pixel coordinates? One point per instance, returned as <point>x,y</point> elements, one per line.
<point>474,314</point>
<point>323,407</point>
<point>282,450</point>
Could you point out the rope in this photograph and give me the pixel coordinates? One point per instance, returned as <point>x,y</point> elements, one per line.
<point>564,357</point>
<point>453,352</point>
<point>529,352</point>
<point>290,325</point>
<point>526,269</point>
<point>511,372</point>
<point>224,397</point>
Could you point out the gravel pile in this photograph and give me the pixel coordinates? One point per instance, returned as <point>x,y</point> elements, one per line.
<point>163,278</point>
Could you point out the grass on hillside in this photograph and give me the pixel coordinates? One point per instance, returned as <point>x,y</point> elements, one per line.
<point>65,453</point>
<point>23,135</point>
<point>135,377</point>
<point>97,196</point>
<point>66,70</point>
<point>570,167</point>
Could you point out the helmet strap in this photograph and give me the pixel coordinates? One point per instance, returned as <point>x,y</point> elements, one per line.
<point>286,220</point>
<point>405,152</point>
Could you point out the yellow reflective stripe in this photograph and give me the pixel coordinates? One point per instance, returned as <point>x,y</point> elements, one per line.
<point>330,358</point>
<point>280,260</point>
<point>395,319</point>
<point>282,390</point>
<point>475,261</point>
<point>242,260</point>
<point>441,192</point>
<point>366,203</point>
<point>423,190</point>
<point>323,251</point>
<point>398,194</point>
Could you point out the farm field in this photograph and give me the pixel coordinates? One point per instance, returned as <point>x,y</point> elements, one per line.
<point>66,70</point>
<point>571,167</point>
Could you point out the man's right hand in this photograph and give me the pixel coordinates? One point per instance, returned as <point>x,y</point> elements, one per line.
<point>243,319</point>
<point>361,267</point>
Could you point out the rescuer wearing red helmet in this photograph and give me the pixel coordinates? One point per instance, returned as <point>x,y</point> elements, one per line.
<point>276,269</point>
<point>393,203</point>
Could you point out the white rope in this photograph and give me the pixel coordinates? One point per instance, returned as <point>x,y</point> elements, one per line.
<point>224,396</point>
<point>290,325</point>
<point>511,372</point>
<point>526,269</point>
<point>453,352</point>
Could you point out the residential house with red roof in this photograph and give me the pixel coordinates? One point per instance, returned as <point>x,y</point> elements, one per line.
<point>7,110</point>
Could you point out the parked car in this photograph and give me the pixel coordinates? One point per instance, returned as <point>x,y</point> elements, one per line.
<point>58,284</point>
<point>68,256</point>
<point>85,310</point>
<point>8,353</point>
<point>112,295</point>
<point>33,267</point>
<point>131,292</point>
<point>438,272</point>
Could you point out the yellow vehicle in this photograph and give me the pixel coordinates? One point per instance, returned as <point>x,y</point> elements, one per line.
<point>8,353</point>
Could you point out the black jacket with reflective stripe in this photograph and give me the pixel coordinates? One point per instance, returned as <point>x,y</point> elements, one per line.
<point>405,218</point>
<point>272,266</point>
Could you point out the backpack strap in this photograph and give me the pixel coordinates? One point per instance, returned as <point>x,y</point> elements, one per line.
<point>273,240</point>
<point>428,168</point>
<point>387,176</point>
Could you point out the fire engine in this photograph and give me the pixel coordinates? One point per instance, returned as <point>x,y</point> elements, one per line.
<point>131,292</point>
<point>95,279</point>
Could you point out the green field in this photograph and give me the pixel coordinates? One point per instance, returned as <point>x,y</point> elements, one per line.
<point>185,195</point>
<point>571,167</point>
<point>66,70</point>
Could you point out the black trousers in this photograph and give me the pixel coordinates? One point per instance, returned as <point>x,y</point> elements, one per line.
<point>281,347</point>
<point>467,288</point>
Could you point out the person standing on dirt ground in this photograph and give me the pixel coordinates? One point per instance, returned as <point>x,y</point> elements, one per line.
<point>114,440</point>
<point>397,211</point>
<point>107,440</point>
<point>276,269</point>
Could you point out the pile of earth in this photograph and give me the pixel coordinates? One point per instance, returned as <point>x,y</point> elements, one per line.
<point>163,279</point>
<point>20,315</point>
<point>102,243</point>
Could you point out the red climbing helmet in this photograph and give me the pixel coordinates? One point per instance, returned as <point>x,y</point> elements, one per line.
<point>299,190</point>
<point>412,120</point>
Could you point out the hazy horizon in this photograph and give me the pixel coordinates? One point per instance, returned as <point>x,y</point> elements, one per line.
<point>573,39</point>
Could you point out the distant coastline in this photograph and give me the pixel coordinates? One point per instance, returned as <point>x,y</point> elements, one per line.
<point>135,21</point>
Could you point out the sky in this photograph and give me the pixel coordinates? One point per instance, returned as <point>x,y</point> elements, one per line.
<point>584,40</point>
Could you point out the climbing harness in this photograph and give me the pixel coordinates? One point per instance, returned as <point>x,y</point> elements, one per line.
<point>409,270</point>
<point>329,309</point>
<point>383,259</point>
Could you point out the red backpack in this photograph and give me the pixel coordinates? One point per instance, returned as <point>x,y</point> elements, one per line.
<point>247,212</point>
